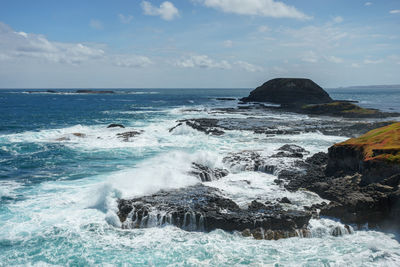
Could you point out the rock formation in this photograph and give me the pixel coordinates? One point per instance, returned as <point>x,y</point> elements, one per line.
<point>289,91</point>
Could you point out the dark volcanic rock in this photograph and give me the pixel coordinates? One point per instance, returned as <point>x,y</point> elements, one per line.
<point>225,98</point>
<point>205,125</point>
<point>207,174</point>
<point>290,151</point>
<point>202,208</point>
<point>127,135</point>
<point>113,125</point>
<point>343,109</point>
<point>289,91</point>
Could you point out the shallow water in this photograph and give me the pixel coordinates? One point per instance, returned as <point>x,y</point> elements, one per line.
<point>58,198</point>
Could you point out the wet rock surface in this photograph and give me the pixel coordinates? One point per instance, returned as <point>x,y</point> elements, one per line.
<point>207,126</point>
<point>271,126</point>
<point>352,201</point>
<point>115,125</point>
<point>202,208</point>
<point>126,136</point>
<point>207,174</point>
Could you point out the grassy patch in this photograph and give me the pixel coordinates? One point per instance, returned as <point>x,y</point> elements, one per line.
<point>382,143</point>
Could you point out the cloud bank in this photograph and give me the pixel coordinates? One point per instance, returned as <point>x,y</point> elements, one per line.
<point>265,8</point>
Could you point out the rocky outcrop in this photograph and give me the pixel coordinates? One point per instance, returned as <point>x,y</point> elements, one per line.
<point>207,126</point>
<point>289,91</point>
<point>375,155</point>
<point>291,151</point>
<point>207,174</point>
<point>361,183</point>
<point>202,208</point>
<point>115,125</point>
<point>343,109</point>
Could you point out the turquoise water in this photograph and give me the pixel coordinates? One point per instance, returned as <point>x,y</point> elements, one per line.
<point>58,190</point>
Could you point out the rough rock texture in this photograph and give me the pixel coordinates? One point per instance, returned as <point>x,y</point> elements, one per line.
<point>359,192</point>
<point>207,174</point>
<point>202,208</point>
<point>207,126</point>
<point>289,91</point>
<point>376,155</point>
<point>291,151</point>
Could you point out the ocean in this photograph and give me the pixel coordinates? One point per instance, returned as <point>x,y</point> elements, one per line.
<point>62,171</point>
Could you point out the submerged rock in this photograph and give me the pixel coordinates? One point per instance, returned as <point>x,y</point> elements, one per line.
<point>202,208</point>
<point>88,91</point>
<point>289,91</point>
<point>127,135</point>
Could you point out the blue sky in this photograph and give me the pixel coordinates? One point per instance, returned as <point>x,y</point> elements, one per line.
<point>197,43</point>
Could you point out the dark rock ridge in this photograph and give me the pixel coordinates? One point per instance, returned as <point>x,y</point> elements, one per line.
<point>207,174</point>
<point>289,91</point>
<point>88,91</point>
<point>205,125</point>
<point>202,208</point>
<point>362,189</point>
<point>291,151</point>
<point>343,109</point>
<point>114,125</point>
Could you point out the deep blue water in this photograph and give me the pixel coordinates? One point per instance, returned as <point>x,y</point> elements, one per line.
<point>57,196</point>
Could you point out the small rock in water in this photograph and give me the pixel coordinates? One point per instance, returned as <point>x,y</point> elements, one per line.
<point>286,200</point>
<point>113,125</point>
<point>126,135</point>
<point>79,135</point>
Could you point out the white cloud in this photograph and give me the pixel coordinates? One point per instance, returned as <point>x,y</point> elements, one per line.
<point>166,11</point>
<point>266,8</point>
<point>319,37</point>
<point>21,46</point>
<point>355,65</point>
<point>263,28</point>
<point>334,59</point>
<point>368,4</point>
<point>131,61</point>
<point>394,11</point>
<point>309,57</point>
<point>202,61</point>
<point>96,24</point>
<point>338,19</point>
<point>371,61</point>
<point>248,66</point>
<point>228,43</point>
<point>125,19</point>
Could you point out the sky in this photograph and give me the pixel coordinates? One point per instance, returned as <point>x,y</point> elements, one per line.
<point>197,43</point>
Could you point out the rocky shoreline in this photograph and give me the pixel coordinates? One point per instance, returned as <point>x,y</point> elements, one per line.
<point>360,184</point>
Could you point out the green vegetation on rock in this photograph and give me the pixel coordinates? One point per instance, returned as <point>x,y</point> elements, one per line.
<point>382,143</point>
<point>345,109</point>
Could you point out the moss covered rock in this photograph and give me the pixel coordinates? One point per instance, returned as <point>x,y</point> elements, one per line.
<point>376,154</point>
